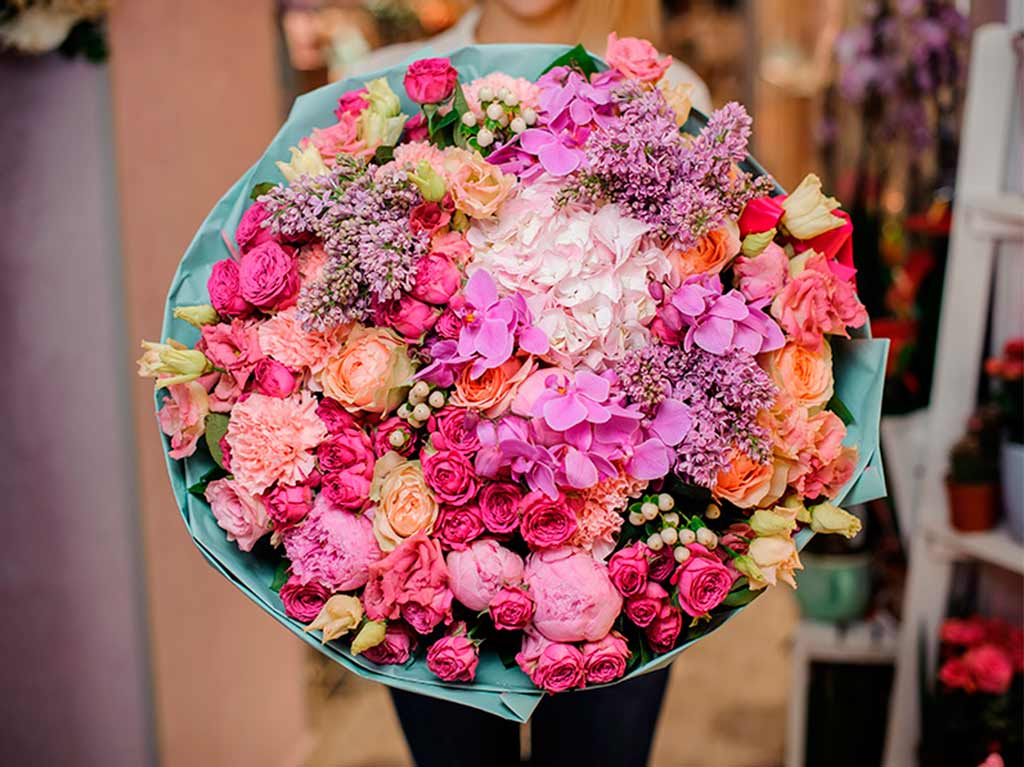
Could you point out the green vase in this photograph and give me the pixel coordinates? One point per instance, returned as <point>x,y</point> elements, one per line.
<point>834,587</point>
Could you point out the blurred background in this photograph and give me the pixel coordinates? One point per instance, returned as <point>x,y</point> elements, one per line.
<point>123,122</point>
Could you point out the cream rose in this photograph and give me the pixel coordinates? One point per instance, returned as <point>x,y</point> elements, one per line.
<point>405,504</point>
<point>477,187</point>
<point>369,371</point>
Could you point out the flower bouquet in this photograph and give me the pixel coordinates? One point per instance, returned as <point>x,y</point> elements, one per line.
<point>512,375</point>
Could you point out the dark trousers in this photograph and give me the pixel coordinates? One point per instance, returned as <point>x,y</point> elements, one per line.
<point>607,726</point>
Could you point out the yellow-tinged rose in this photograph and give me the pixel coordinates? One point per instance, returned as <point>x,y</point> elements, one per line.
<point>370,635</point>
<point>776,521</point>
<point>339,615</point>
<point>744,482</point>
<point>172,363</point>
<point>807,212</point>
<point>678,96</point>
<point>201,315</point>
<point>805,374</point>
<point>777,558</point>
<point>828,518</point>
<point>477,187</point>
<point>369,372</point>
<point>304,162</point>
<point>405,503</point>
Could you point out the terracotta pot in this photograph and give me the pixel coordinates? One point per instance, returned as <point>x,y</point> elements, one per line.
<point>973,506</point>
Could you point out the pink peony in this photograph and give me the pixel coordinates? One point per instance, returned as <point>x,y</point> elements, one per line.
<point>763,276</point>
<point>499,506</point>
<point>251,231</point>
<point>478,572</point>
<point>225,291</point>
<point>552,666</point>
<point>575,598</point>
<point>430,81</point>
<point>703,581</point>
<point>815,302</point>
<point>636,58</point>
<point>990,667</point>
<point>272,378</point>
<point>511,609</point>
<point>604,661</point>
<point>644,607</point>
<point>332,547</point>
<point>664,630</point>
<point>269,277</point>
<point>458,525</point>
<point>761,214</point>
<point>348,490</point>
<point>546,523</point>
<point>239,513</point>
<point>412,583</point>
<point>437,279</point>
<point>395,649</point>
<point>183,417</point>
<point>233,347</point>
<point>283,338</point>
<point>453,659</point>
<point>272,440</point>
<point>451,476</point>
<point>303,601</point>
<point>288,504</point>
<point>628,569</point>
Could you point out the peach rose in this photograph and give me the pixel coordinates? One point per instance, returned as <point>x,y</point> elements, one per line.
<point>477,187</point>
<point>786,421</point>
<point>709,256</point>
<point>803,373</point>
<point>746,482</point>
<point>492,393</point>
<point>405,504</point>
<point>368,371</point>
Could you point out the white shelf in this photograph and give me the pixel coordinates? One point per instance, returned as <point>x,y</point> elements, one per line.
<point>873,641</point>
<point>1000,216</point>
<point>993,546</point>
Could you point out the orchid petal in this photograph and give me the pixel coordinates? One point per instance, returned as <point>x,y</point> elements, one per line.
<point>534,340</point>
<point>564,412</point>
<point>672,422</point>
<point>559,160</point>
<point>535,139</point>
<point>651,460</point>
<point>580,471</point>
<point>713,335</point>
<point>480,290</point>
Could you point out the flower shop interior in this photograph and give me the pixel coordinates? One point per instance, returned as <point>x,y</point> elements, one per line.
<point>899,647</point>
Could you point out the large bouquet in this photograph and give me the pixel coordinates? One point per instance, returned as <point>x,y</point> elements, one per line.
<point>548,375</point>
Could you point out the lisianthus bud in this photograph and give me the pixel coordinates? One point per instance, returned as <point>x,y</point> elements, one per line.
<point>429,182</point>
<point>828,518</point>
<point>172,363</point>
<point>754,244</point>
<point>777,521</point>
<point>370,635</point>
<point>807,212</point>
<point>304,162</point>
<point>381,98</point>
<point>339,615</point>
<point>204,314</point>
<point>748,567</point>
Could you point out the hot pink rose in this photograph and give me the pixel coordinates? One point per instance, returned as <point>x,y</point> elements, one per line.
<point>453,659</point>
<point>643,608</point>
<point>764,275</point>
<point>454,428</point>
<point>269,277</point>
<point>499,506</point>
<point>352,103</point>
<point>395,649</point>
<point>451,476</point>
<point>303,601</point>
<point>662,565</point>
<point>664,630</point>
<point>552,666</point>
<point>225,291</point>
<point>411,318</point>
<point>604,661</point>
<point>349,450</point>
<point>331,546</point>
<point>760,215</point>
<point>183,417</point>
<point>511,609</point>
<point>430,81</point>
<point>428,217</point>
<point>288,504</point>
<point>815,303</point>
<point>703,581</point>
<point>233,346</point>
<point>449,325</point>
<point>335,417</point>
<point>546,523</point>
<point>965,632</point>
<point>629,568</point>
<point>575,599</point>
<point>458,525</point>
<point>437,279</point>
<point>240,514</point>
<point>347,490</point>
<point>272,378</point>
<point>990,667</point>
<point>250,231</point>
<point>412,583</point>
<point>382,440</point>
<point>954,674</point>
<point>636,58</point>
<point>416,128</point>
<point>478,572</point>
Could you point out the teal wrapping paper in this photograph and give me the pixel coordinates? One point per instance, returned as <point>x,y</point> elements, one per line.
<point>508,693</point>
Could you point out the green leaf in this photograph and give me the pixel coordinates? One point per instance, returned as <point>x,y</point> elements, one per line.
<point>839,407</point>
<point>260,189</point>
<point>385,153</point>
<point>199,488</point>
<point>280,576</point>
<point>740,597</point>
<point>578,58</point>
<point>216,427</point>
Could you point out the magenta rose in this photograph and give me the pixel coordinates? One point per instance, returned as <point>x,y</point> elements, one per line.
<point>346,490</point>
<point>352,103</point>
<point>437,279</point>
<point>335,417</point>
<point>760,215</point>
<point>288,504</point>
<point>451,476</point>
<point>428,217</point>
<point>604,661</point>
<point>661,564</point>
<point>511,609</point>
<point>250,231</point>
<point>478,572</point>
<point>454,428</point>
<point>382,437</point>
<point>643,608</point>
<point>552,666</point>
<point>430,81</point>
<point>416,128</point>
<point>703,581</point>
<point>458,525</point>
<point>350,451</point>
<point>410,583</point>
<point>272,378</point>
<point>499,506</point>
<point>225,290</point>
<point>303,601</point>
<point>629,568</point>
<point>269,277</point>
<point>410,317</point>
<point>396,648</point>
<point>453,659</point>
<point>546,523</point>
<point>664,630</point>
<point>449,324</point>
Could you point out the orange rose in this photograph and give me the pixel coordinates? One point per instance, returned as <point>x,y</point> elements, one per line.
<point>745,482</point>
<point>405,504</point>
<point>477,187</point>
<point>368,371</point>
<point>709,256</point>
<point>804,374</point>
<point>493,392</point>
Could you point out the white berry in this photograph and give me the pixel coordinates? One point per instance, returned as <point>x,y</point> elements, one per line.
<point>397,438</point>
<point>518,125</point>
<point>654,543</point>
<point>666,502</point>
<point>494,111</point>
<point>529,116</point>
<point>671,519</point>
<point>404,410</point>
<point>484,137</point>
<point>687,536</point>
<point>485,94</point>
<point>670,535</point>
<point>681,553</point>
<point>510,99</point>
<point>421,412</point>
<point>636,519</point>
<point>468,119</point>
<point>706,538</point>
<point>712,511</point>
<point>436,399</point>
<point>649,510</point>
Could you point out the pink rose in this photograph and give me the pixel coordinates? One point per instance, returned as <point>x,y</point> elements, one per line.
<point>662,565</point>
<point>416,128</point>
<point>288,504</point>
<point>430,81</point>
<point>499,506</point>
<point>451,476</point>
<point>352,103</point>
<point>478,572</point>
<point>551,666</point>
<point>340,138</point>
<point>428,217</point>
<point>629,568</point>
<point>511,609</point>
<point>395,649</point>
<point>643,608</point>
<point>242,515</point>
<point>382,439</point>
<point>990,667</point>
<point>454,428</point>
<point>269,277</point>
<point>604,661</point>
<point>347,490</point>
<point>409,317</point>
<point>331,546</point>
<point>183,417</point>
<point>449,324</point>
<point>965,632</point>
<point>636,58</point>
<point>349,450</point>
<point>410,583</point>
<point>272,378</point>
<point>764,275</point>
<point>703,581</point>
<point>546,523</point>
<point>664,630</point>
<point>815,303</point>
<point>303,601</point>
<point>250,231</point>
<point>452,244</point>
<point>954,674</point>
<point>575,599</point>
<point>437,279</point>
<point>760,215</point>
<point>458,525</point>
<point>335,417</point>
<point>453,659</point>
<point>225,292</point>
<point>234,347</point>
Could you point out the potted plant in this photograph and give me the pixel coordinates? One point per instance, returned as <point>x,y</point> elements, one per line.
<point>973,479</point>
<point>1007,375</point>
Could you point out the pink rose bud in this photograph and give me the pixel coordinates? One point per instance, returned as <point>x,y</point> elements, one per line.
<point>604,661</point>
<point>225,292</point>
<point>269,277</point>
<point>629,568</point>
<point>664,630</point>
<point>335,417</point>
<point>430,81</point>
<point>511,609</point>
<point>437,279</point>
<point>272,378</point>
<point>347,490</point>
<point>450,474</point>
<point>456,526</point>
<point>396,648</point>
<point>428,217</point>
<point>643,608</point>
<point>760,215</point>
<point>416,128</point>
<point>662,565</point>
<point>250,231</point>
<point>453,659</point>
<point>302,601</point>
<point>288,504</point>
<point>352,103</point>
<point>410,317</point>
<point>703,581</point>
<point>558,667</point>
<point>349,450</point>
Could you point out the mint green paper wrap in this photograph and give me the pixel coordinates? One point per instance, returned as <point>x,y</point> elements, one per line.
<point>859,368</point>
